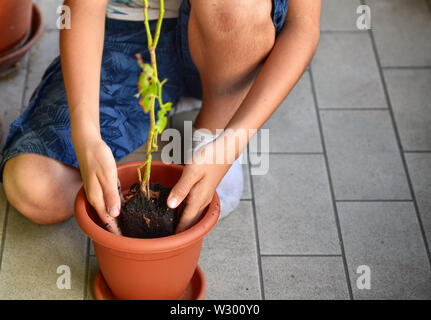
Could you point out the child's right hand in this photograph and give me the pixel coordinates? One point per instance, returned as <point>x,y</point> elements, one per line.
<point>81,50</point>
<point>99,176</point>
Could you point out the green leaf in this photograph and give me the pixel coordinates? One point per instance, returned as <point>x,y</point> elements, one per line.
<point>161,121</point>
<point>152,88</point>
<point>145,103</point>
<point>167,106</point>
<point>148,69</point>
<point>143,83</point>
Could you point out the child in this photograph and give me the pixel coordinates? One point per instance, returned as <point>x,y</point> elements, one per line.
<point>241,57</point>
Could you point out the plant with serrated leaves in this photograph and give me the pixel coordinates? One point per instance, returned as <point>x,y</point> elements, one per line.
<point>150,90</point>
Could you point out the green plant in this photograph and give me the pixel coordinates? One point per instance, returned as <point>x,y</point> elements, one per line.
<point>150,90</point>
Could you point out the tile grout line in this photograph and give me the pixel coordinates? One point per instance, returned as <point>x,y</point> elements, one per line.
<point>406,67</point>
<point>87,267</point>
<point>353,31</point>
<point>374,200</point>
<point>3,238</point>
<point>288,153</point>
<point>417,151</point>
<point>331,187</point>
<point>302,255</point>
<point>256,232</point>
<point>24,89</point>
<point>400,148</point>
<point>353,109</point>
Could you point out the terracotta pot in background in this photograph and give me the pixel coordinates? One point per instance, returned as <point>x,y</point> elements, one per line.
<point>10,58</point>
<point>15,22</point>
<point>159,268</point>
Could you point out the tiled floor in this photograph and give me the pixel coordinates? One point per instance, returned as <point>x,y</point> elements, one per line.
<point>349,181</point>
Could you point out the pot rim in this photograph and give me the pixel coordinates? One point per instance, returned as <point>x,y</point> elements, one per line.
<point>145,246</point>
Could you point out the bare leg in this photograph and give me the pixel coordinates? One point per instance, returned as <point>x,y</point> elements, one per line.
<point>228,40</point>
<point>41,188</point>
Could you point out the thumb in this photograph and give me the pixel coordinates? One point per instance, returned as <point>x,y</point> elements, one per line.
<point>180,191</point>
<point>111,197</point>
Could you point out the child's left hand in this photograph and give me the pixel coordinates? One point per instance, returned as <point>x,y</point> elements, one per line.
<point>197,185</point>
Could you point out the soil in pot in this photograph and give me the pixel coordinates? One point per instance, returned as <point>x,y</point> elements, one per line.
<point>147,218</point>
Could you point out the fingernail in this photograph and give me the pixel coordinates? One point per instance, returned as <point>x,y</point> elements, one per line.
<point>172,202</point>
<point>114,211</point>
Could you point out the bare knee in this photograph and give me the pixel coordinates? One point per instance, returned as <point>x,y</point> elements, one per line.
<point>217,18</point>
<point>232,36</point>
<point>32,187</point>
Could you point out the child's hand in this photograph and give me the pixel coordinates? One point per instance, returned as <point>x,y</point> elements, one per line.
<point>99,176</point>
<point>198,183</point>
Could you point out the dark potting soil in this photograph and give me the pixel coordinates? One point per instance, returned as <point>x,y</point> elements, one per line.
<point>143,218</point>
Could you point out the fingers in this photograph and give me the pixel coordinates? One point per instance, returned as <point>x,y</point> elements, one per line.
<point>111,196</point>
<point>197,200</point>
<point>182,188</point>
<point>96,198</point>
<point>99,174</point>
<point>113,227</point>
<point>190,215</point>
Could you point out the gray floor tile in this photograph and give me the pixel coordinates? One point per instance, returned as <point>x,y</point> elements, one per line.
<point>304,278</point>
<point>294,208</point>
<point>363,155</point>
<point>32,254</point>
<point>402,29</point>
<point>3,208</point>
<point>49,12</point>
<point>410,95</point>
<point>229,257</point>
<point>345,72</point>
<point>246,193</point>
<point>293,127</point>
<point>339,15</point>
<point>419,166</point>
<point>385,237</point>
<point>91,253</point>
<point>41,56</point>
<point>93,268</point>
<point>11,88</point>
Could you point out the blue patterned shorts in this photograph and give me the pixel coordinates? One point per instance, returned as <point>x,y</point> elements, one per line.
<point>44,127</point>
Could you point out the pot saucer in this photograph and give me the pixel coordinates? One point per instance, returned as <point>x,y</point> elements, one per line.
<point>194,291</point>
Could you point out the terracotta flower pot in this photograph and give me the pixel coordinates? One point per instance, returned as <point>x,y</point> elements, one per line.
<point>15,22</point>
<point>10,58</point>
<point>159,268</point>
